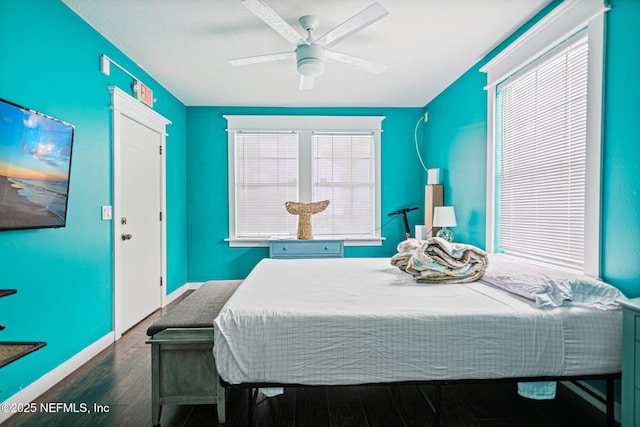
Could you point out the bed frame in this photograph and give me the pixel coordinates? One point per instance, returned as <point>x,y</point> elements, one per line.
<point>252,391</point>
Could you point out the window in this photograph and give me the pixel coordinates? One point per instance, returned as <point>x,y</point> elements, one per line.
<point>541,116</point>
<point>275,159</point>
<point>544,96</point>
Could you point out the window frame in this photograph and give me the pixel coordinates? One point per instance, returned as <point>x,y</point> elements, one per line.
<point>305,126</point>
<point>557,26</point>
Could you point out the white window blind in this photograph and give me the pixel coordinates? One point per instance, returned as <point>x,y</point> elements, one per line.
<point>344,173</point>
<point>266,177</point>
<point>541,132</point>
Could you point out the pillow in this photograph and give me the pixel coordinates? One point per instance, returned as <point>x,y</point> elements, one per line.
<point>550,287</point>
<point>594,293</point>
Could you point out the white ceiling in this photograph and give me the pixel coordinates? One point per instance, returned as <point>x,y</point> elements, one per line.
<point>426,44</point>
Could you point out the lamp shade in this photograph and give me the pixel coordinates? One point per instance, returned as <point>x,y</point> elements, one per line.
<point>444,216</point>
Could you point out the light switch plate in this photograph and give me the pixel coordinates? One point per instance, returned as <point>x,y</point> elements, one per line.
<point>106,213</point>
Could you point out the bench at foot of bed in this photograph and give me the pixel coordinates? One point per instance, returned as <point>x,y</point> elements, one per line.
<point>183,370</point>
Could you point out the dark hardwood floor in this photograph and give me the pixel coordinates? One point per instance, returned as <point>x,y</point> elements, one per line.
<point>119,380</point>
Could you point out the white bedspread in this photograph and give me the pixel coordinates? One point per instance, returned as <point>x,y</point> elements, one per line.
<point>360,320</point>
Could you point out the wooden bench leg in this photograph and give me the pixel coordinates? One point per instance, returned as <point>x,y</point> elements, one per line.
<point>221,402</point>
<point>156,408</point>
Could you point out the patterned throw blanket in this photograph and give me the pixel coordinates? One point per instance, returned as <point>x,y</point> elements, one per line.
<point>437,261</point>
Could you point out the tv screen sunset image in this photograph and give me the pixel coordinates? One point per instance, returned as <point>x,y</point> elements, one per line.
<point>35,160</point>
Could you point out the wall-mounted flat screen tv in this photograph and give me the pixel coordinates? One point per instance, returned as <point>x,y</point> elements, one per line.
<point>35,163</point>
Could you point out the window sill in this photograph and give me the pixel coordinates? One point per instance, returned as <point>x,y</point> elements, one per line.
<point>264,242</point>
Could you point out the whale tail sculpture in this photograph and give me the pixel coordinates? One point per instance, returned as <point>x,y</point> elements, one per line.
<point>304,212</point>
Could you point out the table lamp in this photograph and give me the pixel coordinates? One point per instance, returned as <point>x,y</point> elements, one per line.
<point>444,216</point>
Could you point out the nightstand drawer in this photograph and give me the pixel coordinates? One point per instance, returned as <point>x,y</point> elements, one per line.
<point>306,249</point>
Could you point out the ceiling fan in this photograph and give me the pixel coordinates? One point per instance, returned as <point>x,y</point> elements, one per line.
<point>310,53</point>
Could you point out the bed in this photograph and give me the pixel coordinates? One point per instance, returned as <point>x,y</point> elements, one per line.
<point>352,321</point>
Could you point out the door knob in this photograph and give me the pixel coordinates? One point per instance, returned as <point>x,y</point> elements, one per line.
<point>126,236</point>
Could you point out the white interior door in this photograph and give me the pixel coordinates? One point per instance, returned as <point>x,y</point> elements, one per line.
<point>140,222</point>
<point>139,193</point>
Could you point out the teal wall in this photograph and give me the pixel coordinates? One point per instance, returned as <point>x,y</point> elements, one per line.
<point>210,257</point>
<point>49,62</point>
<point>455,138</point>
<point>621,159</point>
<point>456,133</point>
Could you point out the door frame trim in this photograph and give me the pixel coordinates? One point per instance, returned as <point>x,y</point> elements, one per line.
<point>122,104</point>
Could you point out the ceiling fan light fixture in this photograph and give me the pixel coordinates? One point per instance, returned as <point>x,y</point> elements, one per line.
<point>311,53</point>
<point>310,58</point>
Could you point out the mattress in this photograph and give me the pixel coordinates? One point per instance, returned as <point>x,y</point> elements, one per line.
<point>360,320</point>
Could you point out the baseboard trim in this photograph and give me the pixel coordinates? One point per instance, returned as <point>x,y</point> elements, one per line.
<point>194,285</point>
<point>169,298</point>
<point>53,377</point>
<point>589,396</point>
<point>181,290</point>
<point>189,286</point>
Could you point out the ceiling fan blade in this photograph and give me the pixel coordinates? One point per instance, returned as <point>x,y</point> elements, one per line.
<point>306,82</point>
<point>261,58</point>
<point>352,25</point>
<point>275,21</point>
<point>359,63</point>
